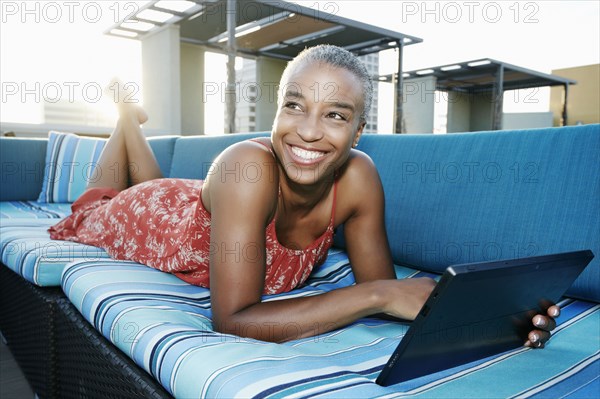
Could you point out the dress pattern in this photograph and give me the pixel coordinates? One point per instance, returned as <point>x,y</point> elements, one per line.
<point>163,224</point>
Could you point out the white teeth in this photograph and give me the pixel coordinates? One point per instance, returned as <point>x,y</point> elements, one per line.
<point>305,154</point>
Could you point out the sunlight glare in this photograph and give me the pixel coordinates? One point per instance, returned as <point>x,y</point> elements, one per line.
<point>65,64</point>
<point>214,107</point>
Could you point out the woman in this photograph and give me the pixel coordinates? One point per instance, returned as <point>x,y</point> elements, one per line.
<point>244,237</point>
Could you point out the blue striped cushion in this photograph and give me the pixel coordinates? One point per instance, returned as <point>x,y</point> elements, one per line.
<point>164,325</point>
<point>33,210</point>
<point>26,248</point>
<point>70,164</point>
<point>472,197</point>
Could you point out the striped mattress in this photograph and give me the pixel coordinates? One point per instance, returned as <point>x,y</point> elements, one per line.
<point>26,247</point>
<point>164,325</point>
<point>33,210</point>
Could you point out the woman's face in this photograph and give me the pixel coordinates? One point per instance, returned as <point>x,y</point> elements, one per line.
<point>317,121</point>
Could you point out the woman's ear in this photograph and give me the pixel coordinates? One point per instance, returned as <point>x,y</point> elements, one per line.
<point>359,131</point>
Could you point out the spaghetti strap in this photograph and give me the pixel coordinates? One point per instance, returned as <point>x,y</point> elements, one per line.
<point>258,140</point>
<point>335,184</point>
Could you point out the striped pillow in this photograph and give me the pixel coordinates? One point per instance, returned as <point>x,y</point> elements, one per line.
<point>70,164</point>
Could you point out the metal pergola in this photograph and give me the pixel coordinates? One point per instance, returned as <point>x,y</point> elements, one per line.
<point>275,29</point>
<point>488,75</point>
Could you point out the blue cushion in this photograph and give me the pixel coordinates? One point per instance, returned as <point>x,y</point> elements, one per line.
<point>22,168</point>
<point>164,325</point>
<point>163,148</point>
<point>33,210</point>
<point>193,156</point>
<point>70,164</point>
<point>26,248</point>
<point>470,197</point>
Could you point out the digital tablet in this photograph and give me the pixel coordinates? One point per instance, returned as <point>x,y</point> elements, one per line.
<point>481,309</point>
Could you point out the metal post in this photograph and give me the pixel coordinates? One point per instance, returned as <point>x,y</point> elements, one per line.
<point>564,121</point>
<point>398,114</point>
<point>497,99</point>
<point>230,94</point>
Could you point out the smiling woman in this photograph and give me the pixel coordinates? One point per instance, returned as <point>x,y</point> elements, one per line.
<point>247,237</point>
<point>300,128</point>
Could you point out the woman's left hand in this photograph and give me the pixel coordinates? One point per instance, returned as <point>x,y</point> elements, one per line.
<point>543,325</point>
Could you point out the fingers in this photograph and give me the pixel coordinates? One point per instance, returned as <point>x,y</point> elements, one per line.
<point>553,311</point>
<point>537,338</point>
<point>536,345</point>
<point>544,322</point>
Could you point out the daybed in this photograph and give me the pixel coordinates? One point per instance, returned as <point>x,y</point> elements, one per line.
<point>82,325</point>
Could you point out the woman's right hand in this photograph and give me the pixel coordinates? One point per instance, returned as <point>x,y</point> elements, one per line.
<point>405,298</point>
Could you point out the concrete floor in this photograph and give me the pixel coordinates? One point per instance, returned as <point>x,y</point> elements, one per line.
<point>13,384</point>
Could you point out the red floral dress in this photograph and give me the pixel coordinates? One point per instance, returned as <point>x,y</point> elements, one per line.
<point>162,223</point>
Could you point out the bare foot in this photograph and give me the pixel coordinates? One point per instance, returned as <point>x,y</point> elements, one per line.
<point>127,107</point>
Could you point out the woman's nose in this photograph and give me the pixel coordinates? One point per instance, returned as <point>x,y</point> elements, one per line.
<point>310,129</point>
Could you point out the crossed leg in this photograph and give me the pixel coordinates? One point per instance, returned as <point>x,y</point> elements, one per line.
<point>127,156</point>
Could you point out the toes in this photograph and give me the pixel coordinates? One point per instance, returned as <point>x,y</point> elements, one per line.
<point>127,107</point>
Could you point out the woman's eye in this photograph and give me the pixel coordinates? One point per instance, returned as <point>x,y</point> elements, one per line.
<point>337,116</point>
<point>292,105</point>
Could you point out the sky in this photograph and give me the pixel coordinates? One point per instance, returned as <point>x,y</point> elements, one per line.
<point>540,35</point>
<point>53,49</point>
<point>60,45</point>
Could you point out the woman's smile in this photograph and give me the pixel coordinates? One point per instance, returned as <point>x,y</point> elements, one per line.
<point>306,156</point>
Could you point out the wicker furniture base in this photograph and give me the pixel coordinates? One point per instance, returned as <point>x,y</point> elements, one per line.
<point>27,315</point>
<point>89,366</point>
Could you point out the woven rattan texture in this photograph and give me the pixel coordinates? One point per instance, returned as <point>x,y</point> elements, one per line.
<point>27,323</point>
<point>89,366</point>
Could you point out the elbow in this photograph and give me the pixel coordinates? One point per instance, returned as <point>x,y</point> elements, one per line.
<point>236,325</point>
<point>268,331</point>
<point>226,324</point>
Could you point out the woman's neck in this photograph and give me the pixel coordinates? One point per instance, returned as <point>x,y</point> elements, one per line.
<point>303,197</point>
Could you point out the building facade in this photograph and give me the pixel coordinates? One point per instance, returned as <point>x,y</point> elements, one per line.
<point>248,92</point>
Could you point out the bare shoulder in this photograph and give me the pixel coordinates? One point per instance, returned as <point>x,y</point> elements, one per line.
<point>245,171</point>
<point>359,185</point>
<point>245,156</point>
<point>360,163</point>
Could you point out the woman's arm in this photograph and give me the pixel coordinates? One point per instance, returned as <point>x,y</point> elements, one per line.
<point>361,207</point>
<point>369,252</point>
<point>363,215</point>
<point>237,264</point>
